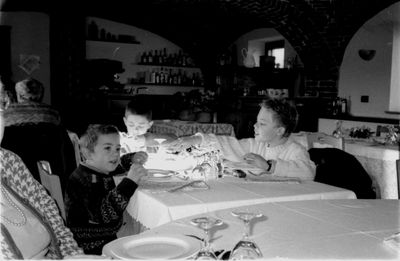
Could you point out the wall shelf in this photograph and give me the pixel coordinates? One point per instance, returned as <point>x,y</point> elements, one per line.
<point>165,65</point>
<point>114,41</point>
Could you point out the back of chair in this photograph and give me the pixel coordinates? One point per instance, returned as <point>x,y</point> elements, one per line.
<point>398,177</point>
<point>322,140</point>
<point>52,184</point>
<point>75,141</point>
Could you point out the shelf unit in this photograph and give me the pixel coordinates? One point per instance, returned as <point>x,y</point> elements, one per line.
<point>114,41</point>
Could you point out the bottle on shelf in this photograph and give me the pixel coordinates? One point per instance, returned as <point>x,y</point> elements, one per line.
<point>343,105</point>
<point>93,31</point>
<point>150,57</point>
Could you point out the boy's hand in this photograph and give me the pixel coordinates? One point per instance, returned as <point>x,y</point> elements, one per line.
<point>136,172</point>
<point>140,157</point>
<point>256,160</point>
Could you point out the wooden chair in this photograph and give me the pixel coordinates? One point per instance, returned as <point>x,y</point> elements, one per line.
<point>52,184</point>
<point>398,177</point>
<point>322,140</point>
<point>75,141</point>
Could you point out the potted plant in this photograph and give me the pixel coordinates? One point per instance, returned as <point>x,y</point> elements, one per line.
<point>196,105</point>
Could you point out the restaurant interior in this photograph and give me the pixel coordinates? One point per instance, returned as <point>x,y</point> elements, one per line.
<point>205,66</point>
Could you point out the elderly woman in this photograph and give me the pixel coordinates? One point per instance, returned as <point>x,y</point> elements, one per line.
<point>29,107</point>
<point>31,226</point>
<point>271,152</point>
<point>33,131</point>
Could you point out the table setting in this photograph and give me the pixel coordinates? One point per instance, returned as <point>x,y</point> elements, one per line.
<point>198,180</point>
<point>308,229</point>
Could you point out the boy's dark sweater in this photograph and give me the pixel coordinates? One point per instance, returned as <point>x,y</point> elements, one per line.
<point>95,206</point>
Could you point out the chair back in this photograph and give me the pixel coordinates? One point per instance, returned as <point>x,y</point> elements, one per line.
<point>398,177</point>
<point>52,184</point>
<point>323,140</point>
<point>75,141</point>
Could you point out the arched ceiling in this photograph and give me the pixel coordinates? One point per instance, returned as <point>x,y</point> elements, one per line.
<point>319,30</point>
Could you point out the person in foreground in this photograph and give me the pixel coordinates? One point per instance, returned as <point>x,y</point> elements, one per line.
<point>31,225</point>
<point>94,205</point>
<point>271,150</point>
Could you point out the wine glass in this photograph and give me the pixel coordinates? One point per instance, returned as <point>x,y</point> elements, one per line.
<point>246,248</point>
<point>159,141</point>
<point>206,223</point>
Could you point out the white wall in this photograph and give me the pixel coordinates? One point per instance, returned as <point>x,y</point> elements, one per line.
<point>29,36</point>
<point>371,78</point>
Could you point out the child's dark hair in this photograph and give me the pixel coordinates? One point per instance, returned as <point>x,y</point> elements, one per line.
<point>90,137</point>
<point>138,106</point>
<point>285,113</point>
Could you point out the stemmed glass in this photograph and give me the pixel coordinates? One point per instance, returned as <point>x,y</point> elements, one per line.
<point>206,223</point>
<point>159,149</point>
<point>246,248</point>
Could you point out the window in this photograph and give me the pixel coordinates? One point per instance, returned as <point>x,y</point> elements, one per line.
<point>276,49</point>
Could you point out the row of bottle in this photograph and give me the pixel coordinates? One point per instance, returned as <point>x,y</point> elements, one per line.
<point>161,57</point>
<point>340,106</point>
<point>165,76</point>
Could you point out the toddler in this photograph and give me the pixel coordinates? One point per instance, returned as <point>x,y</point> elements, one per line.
<point>94,204</point>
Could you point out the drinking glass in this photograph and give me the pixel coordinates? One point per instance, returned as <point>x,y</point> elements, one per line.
<point>246,248</point>
<point>206,223</point>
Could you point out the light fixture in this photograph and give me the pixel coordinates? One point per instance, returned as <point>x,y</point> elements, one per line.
<point>366,54</point>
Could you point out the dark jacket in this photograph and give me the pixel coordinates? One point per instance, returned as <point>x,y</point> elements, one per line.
<point>338,168</point>
<point>94,207</point>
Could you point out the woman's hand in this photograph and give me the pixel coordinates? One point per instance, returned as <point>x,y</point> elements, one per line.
<point>136,172</point>
<point>256,160</point>
<point>140,157</point>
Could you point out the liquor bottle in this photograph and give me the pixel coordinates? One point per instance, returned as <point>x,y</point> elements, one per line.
<point>93,31</point>
<point>344,106</point>
<point>143,58</point>
<point>164,56</point>
<point>155,57</point>
<point>150,57</point>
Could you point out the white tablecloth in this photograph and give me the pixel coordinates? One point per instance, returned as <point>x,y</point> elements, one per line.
<point>155,209</point>
<point>311,229</point>
<point>380,163</point>
<point>187,128</point>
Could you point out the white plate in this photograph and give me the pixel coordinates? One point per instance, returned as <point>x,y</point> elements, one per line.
<point>159,173</point>
<point>166,246</point>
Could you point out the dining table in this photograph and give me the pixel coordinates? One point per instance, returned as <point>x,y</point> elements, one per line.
<point>186,128</point>
<point>351,229</point>
<point>379,160</point>
<point>148,209</point>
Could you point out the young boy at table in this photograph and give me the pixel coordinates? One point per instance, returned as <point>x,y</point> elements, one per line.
<point>94,205</point>
<point>271,151</point>
<point>138,120</point>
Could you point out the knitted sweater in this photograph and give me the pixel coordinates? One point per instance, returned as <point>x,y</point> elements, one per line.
<point>30,112</point>
<point>292,159</point>
<point>17,179</point>
<point>94,207</point>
